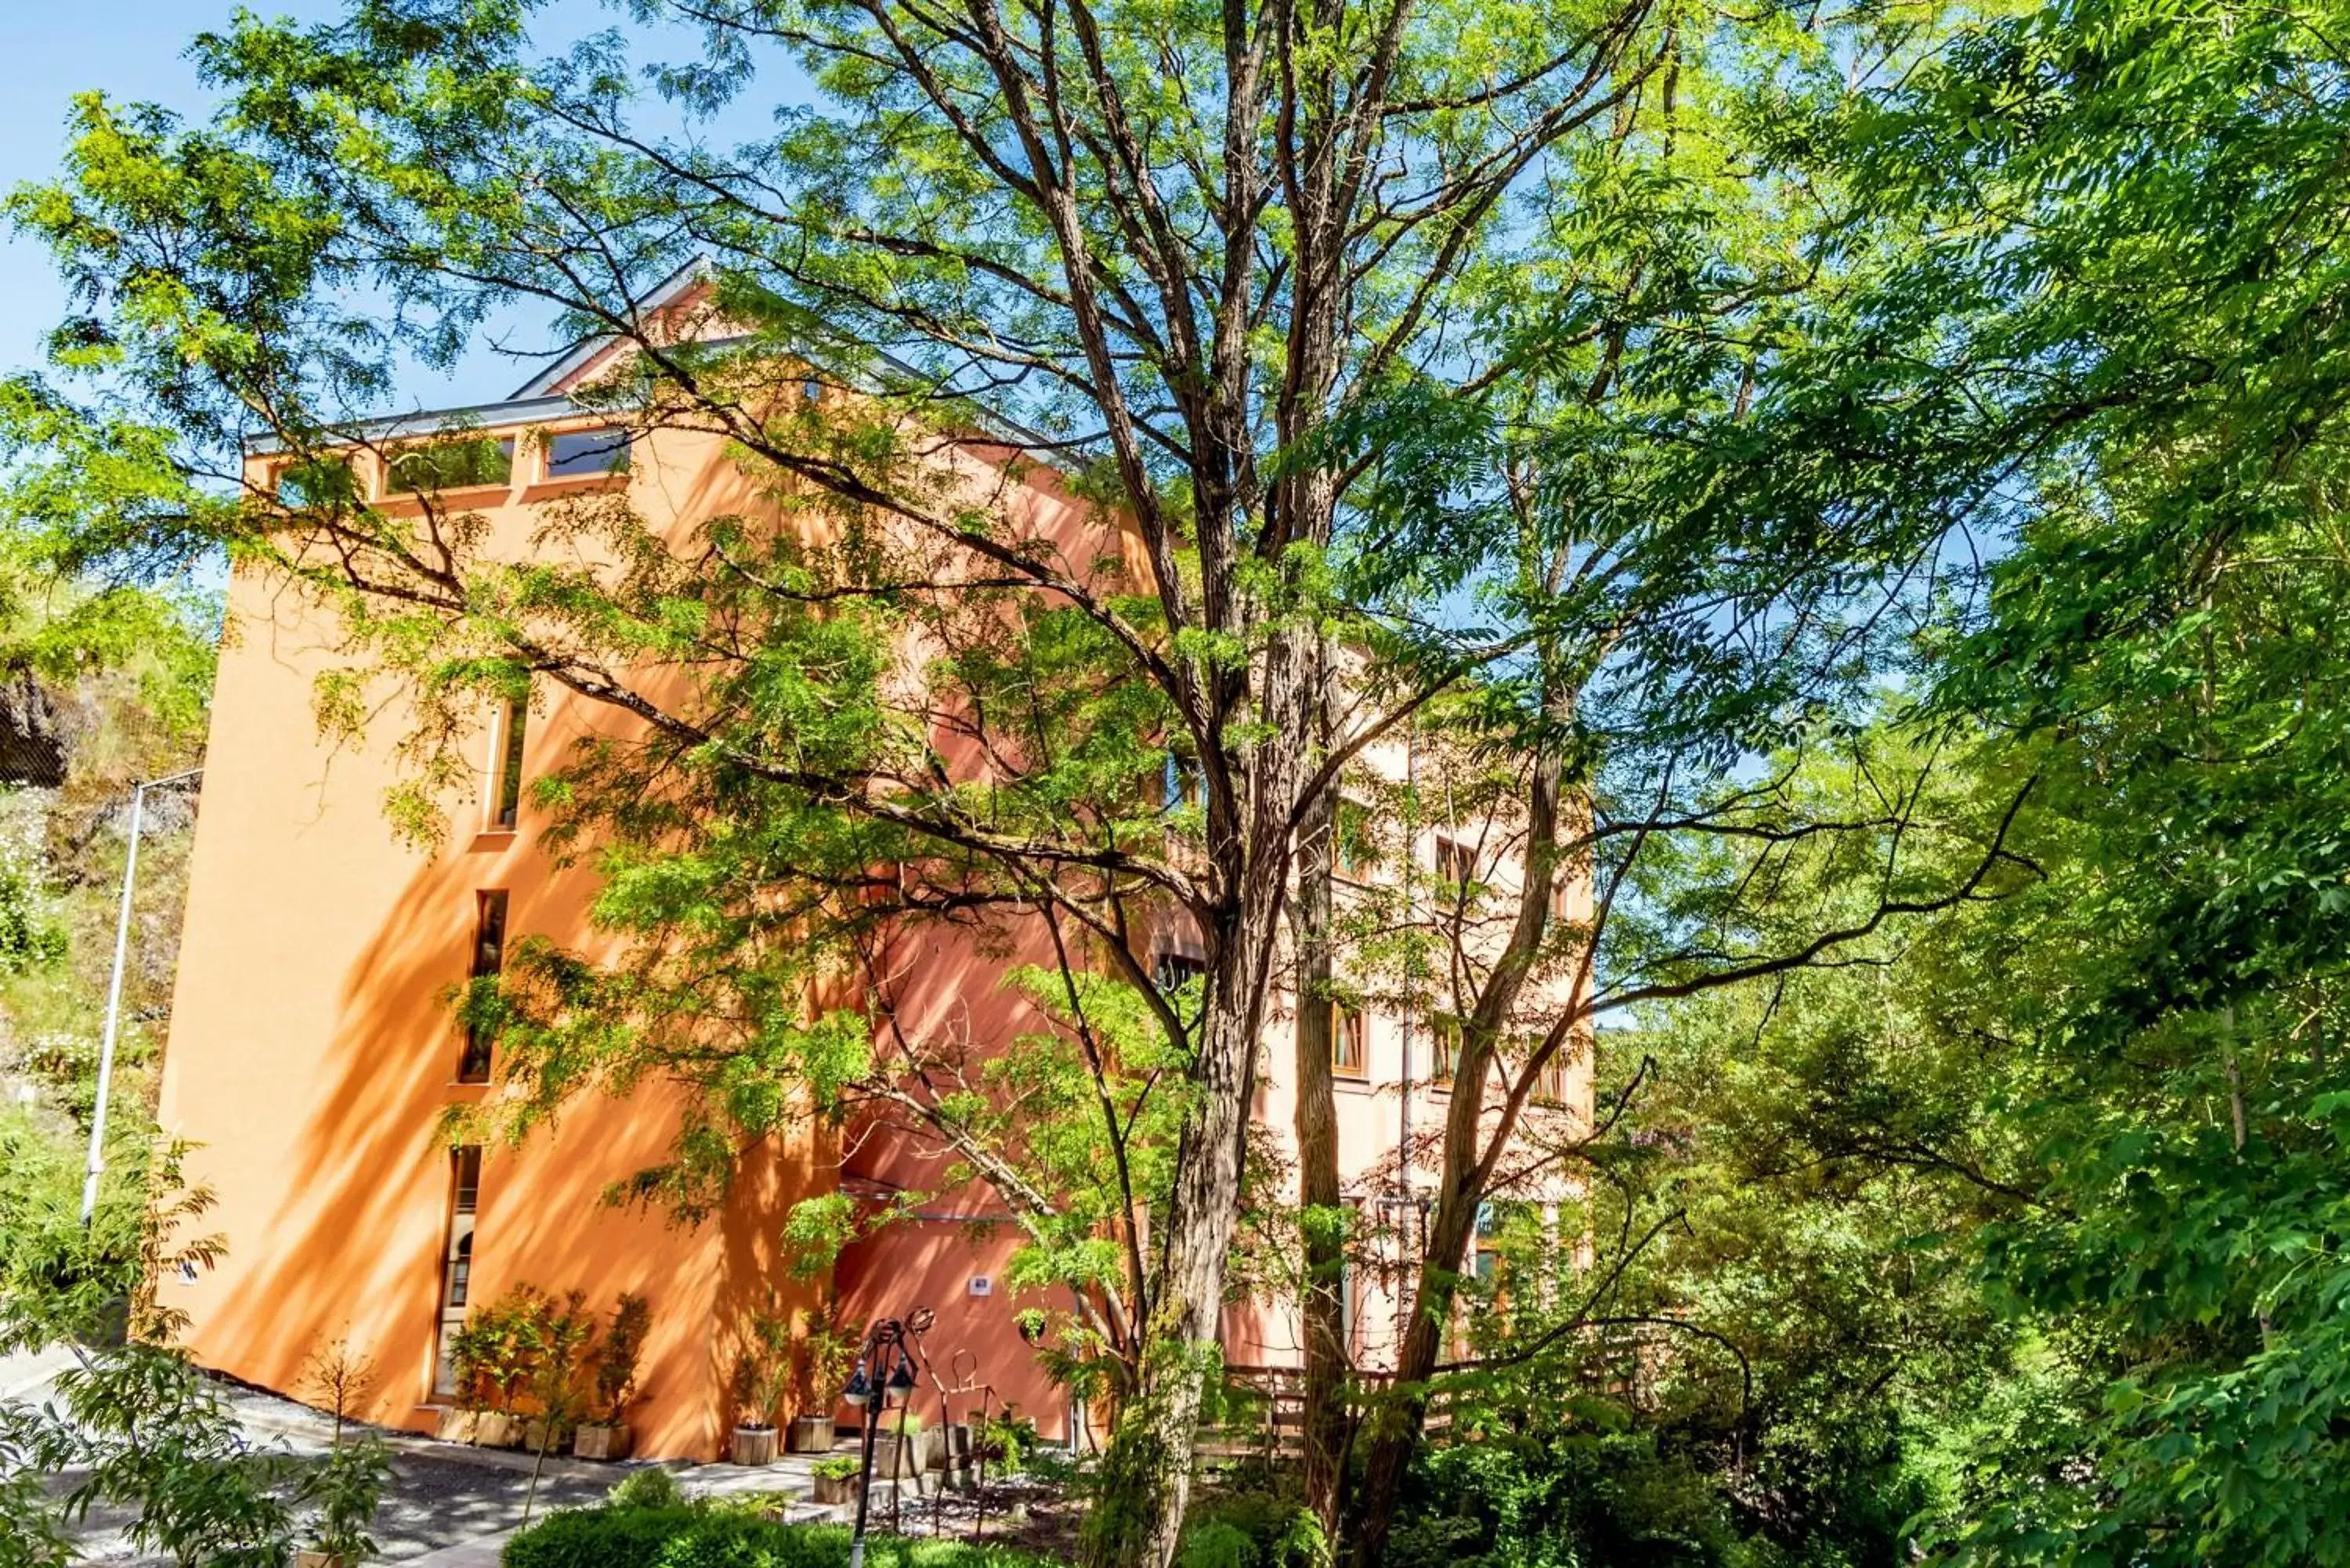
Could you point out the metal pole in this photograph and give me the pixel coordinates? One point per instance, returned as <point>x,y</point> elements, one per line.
<point>865,1475</point>
<point>97,1164</point>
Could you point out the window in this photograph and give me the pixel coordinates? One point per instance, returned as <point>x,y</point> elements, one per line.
<point>1348,1035</point>
<point>1184,783</point>
<point>456,1263</point>
<point>572,454</point>
<point>506,765</point>
<point>1173,971</point>
<point>1176,970</point>
<point>489,959</point>
<point>326,481</point>
<point>1444,1049</point>
<point>1550,1083</point>
<point>450,465</point>
<point>1456,865</point>
<point>811,391</point>
<point>1353,854</point>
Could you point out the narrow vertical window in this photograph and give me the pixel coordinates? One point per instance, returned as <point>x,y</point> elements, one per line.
<point>506,766</point>
<point>489,959</point>
<point>1456,864</point>
<point>1347,1056</point>
<point>1550,1083</point>
<point>456,1263</point>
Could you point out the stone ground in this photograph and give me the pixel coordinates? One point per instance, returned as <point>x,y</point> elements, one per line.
<point>446,1506</point>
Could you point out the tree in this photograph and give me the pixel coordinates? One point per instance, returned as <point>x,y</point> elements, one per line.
<point>1246,275</point>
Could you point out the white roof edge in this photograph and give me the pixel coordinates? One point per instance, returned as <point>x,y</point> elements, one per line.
<point>432,422</point>
<point>570,360</point>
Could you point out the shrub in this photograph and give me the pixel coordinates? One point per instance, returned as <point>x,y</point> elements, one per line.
<point>615,1367</point>
<point>651,1488</point>
<point>837,1466</point>
<point>615,1537</point>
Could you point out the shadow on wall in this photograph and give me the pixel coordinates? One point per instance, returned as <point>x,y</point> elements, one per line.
<point>336,1184</point>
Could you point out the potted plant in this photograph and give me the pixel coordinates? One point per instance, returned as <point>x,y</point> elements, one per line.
<point>901,1450</point>
<point>498,1365</point>
<point>606,1435</point>
<point>836,1477</point>
<point>558,1343</point>
<point>504,1354</point>
<point>763,1363</point>
<point>825,1351</point>
<point>469,1383</point>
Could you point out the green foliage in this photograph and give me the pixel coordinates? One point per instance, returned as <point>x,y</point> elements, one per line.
<point>617,1537</point>
<point>837,1466</point>
<point>1004,1439</point>
<point>761,1373</point>
<point>652,1487</point>
<point>616,1358</point>
<point>1562,1499</point>
<point>148,1432</point>
<point>1247,1529</point>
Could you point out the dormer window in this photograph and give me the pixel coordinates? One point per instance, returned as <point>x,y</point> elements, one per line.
<point>580,455</point>
<point>323,481</point>
<point>450,465</point>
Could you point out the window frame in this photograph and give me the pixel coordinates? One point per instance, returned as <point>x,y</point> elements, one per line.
<point>619,439</point>
<point>1348,1022</point>
<point>478,1060</point>
<point>1444,1049</point>
<point>458,1233</point>
<point>395,489</point>
<point>509,735</point>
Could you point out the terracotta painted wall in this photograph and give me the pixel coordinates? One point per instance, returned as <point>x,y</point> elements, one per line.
<point>312,1057</point>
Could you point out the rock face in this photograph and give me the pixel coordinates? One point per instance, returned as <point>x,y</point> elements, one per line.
<point>32,744</point>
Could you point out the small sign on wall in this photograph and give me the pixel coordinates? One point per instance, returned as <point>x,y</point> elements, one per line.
<point>981,1286</point>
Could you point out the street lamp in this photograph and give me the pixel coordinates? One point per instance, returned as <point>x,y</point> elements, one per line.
<point>97,1164</point>
<point>884,1377</point>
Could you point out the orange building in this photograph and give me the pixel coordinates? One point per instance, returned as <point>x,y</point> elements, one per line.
<point>313,1056</point>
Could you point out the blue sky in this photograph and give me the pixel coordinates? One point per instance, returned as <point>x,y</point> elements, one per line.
<point>132,49</point>
<point>52,49</point>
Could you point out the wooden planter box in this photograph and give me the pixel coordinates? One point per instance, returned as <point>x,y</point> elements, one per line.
<point>456,1426</point>
<point>493,1431</point>
<point>809,1435</point>
<point>533,1432</point>
<point>910,1458</point>
<point>753,1446</point>
<point>831,1489</point>
<point>309,1559</point>
<point>602,1442</point>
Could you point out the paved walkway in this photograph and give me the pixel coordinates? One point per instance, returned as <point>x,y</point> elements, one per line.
<point>447,1504</point>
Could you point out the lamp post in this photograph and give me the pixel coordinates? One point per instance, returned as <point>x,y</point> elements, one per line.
<point>97,1164</point>
<point>884,1377</point>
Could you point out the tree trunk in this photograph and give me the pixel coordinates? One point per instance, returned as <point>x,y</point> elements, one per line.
<point>1462,1184</point>
<point>1321,1220</point>
<point>1136,1520</point>
<point>1401,1421</point>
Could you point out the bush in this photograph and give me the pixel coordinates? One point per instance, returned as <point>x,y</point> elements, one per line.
<point>697,1537</point>
<point>1251,1527</point>
<point>653,1487</point>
